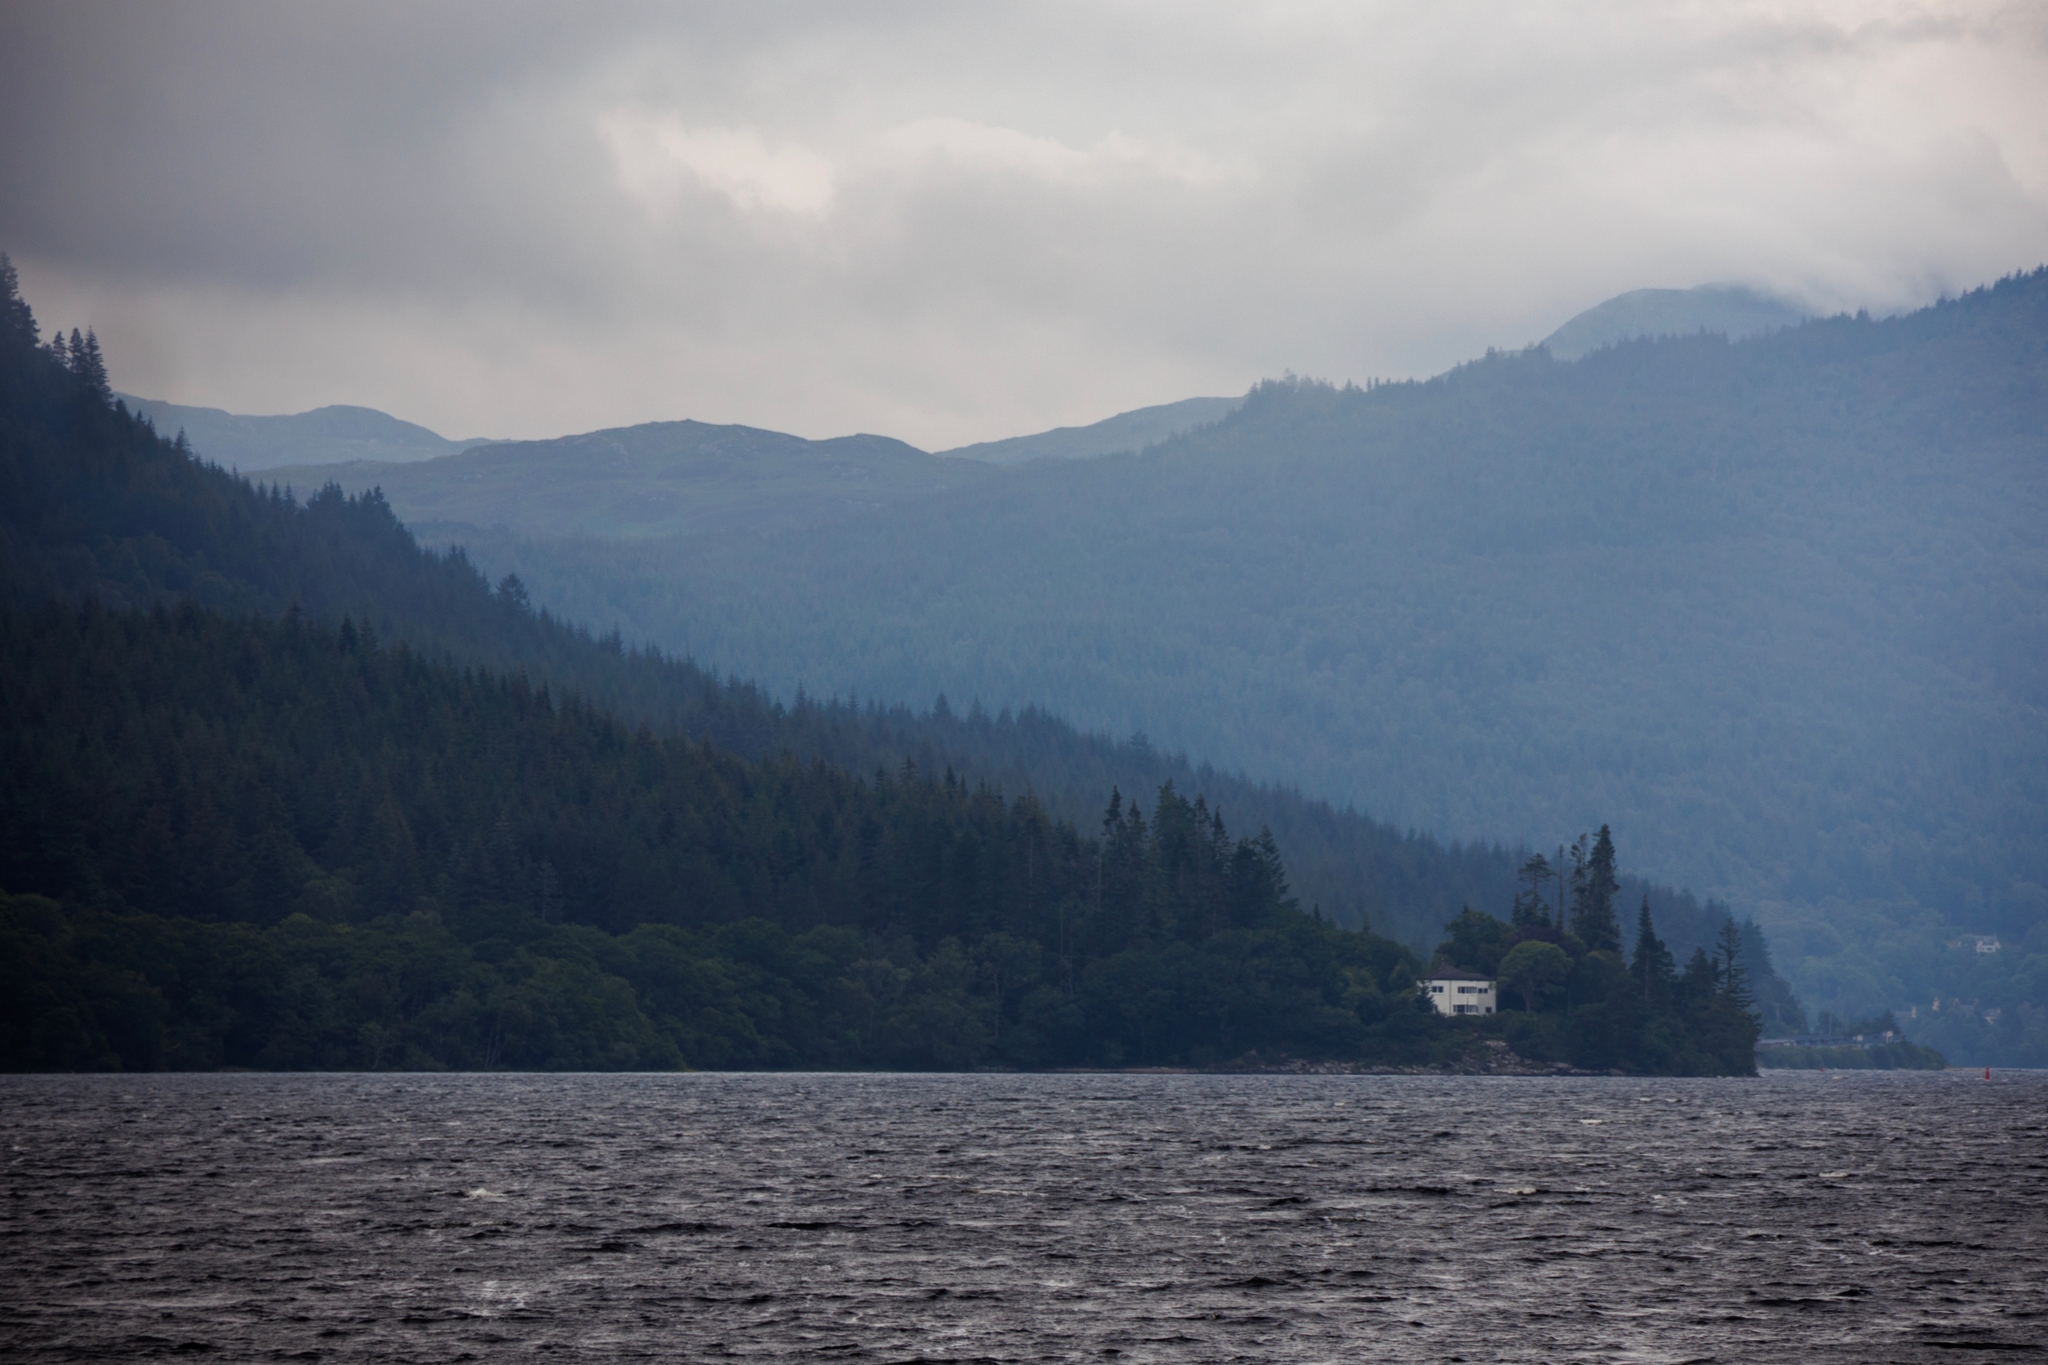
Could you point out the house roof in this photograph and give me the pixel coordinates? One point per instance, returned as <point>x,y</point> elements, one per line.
<point>1454,974</point>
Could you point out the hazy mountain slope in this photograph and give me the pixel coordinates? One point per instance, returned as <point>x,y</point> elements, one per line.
<point>1134,430</point>
<point>1727,310</point>
<point>1772,608</point>
<point>661,478</point>
<point>93,503</point>
<point>330,435</point>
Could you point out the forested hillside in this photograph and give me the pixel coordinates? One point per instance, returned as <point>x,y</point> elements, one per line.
<point>282,845</point>
<point>1773,608</point>
<point>94,502</point>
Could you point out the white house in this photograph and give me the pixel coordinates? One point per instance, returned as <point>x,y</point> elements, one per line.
<point>1455,992</point>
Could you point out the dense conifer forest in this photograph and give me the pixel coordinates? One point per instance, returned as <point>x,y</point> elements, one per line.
<point>239,833</point>
<point>285,845</point>
<point>342,846</point>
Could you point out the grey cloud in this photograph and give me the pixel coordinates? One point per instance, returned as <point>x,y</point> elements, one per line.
<point>952,223</point>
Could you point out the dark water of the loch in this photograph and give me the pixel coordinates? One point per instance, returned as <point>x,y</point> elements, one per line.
<point>1871,1217</point>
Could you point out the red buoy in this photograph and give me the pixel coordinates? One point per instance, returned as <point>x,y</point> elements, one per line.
<point>1987,1073</point>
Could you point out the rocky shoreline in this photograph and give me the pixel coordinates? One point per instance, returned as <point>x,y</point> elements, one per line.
<point>1493,1058</point>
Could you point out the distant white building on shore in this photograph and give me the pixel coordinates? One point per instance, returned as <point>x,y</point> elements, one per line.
<point>1454,992</point>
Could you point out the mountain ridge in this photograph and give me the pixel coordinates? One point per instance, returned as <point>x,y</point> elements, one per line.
<point>335,434</point>
<point>653,479</point>
<point>1132,430</point>
<point>354,435</point>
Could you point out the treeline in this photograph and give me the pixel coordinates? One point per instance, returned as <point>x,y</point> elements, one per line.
<point>1561,958</point>
<point>278,844</point>
<point>1874,1044</point>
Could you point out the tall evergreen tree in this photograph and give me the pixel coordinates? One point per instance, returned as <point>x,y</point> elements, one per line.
<point>1778,1009</point>
<point>1701,979</point>
<point>1529,908</point>
<point>1273,870</point>
<point>1653,966</point>
<point>1594,888</point>
<point>1576,893</point>
<point>1563,892</point>
<point>1733,973</point>
<point>17,322</point>
<point>90,366</point>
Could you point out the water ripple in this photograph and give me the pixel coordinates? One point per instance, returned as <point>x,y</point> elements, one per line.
<point>1894,1217</point>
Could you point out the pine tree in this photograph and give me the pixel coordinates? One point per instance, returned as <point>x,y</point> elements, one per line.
<point>1725,1023</point>
<point>1653,966</point>
<point>90,366</point>
<point>1577,893</point>
<point>1594,886</point>
<point>17,321</point>
<point>1274,870</point>
<point>1778,1009</point>
<point>1529,909</point>
<point>1602,885</point>
<point>1733,974</point>
<point>1702,978</point>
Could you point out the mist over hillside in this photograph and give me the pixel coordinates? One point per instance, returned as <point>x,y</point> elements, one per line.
<point>1725,310</point>
<point>1772,606</point>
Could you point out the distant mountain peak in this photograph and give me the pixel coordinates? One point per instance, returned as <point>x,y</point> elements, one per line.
<point>1731,310</point>
<point>336,434</point>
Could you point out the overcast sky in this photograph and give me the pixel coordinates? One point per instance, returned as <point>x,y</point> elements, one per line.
<point>956,222</point>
